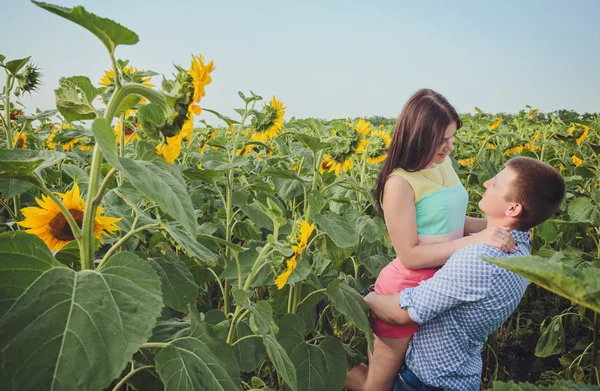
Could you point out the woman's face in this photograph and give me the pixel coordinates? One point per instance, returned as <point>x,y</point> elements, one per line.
<point>447,145</point>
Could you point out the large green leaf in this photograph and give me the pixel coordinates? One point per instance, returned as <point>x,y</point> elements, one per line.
<point>74,98</point>
<point>371,229</point>
<point>560,386</point>
<point>250,353</point>
<point>23,258</point>
<point>342,234</point>
<point>552,340</point>
<point>13,187</point>
<point>261,318</point>
<point>350,303</point>
<point>178,286</point>
<point>110,33</point>
<point>583,210</point>
<point>26,164</point>
<point>579,286</point>
<point>73,330</point>
<point>14,66</point>
<point>280,359</point>
<point>191,244</point>
<point>198,361</point>
<point>318,367</point>
<point>153,179</point>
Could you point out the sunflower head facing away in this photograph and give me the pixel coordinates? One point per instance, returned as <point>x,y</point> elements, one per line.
<point>50,225</point>
<point>268,122</point>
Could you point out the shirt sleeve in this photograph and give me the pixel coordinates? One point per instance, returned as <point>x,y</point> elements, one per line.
<point>463,279</point>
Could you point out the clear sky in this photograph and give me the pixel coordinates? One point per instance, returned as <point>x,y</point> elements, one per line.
<point>332,59</point>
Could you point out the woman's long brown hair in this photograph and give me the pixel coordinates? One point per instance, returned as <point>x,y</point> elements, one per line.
<point>418,135</point>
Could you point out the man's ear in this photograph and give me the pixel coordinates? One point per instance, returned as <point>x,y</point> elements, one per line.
<point>515,210</point>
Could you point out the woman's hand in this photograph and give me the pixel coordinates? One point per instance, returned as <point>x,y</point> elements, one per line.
<point>498,237</point>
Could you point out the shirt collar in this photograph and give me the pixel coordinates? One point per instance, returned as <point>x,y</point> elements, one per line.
<point>520,236</point>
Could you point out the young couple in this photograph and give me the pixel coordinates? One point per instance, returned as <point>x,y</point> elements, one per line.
<point>435,305</point>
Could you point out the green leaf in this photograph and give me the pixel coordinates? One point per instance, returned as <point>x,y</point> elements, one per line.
<point>2,58</point>
<point>318,367</point>
<point>350,303</point>
<point>280,359</point>
<point>371,229</point>
<point>152,118</point>
<point>582,210</point>
<point>316,202</point>
<point>191,244</point>
<point>227,120</point>
<point>249,353</point>
<point>198,362</point>
<point>279,173</point>
<point>13,187</point>
<point>65,322</point>
<point>130,101</point>
<point>547,231</point>
<point>261,318</point>
<point>23,258</point>
<point>26,164</point>
<point>178,287</point>
<point>582,287</point>
<point>15,66</point>
<point>74,98</point>
<point>552,340</point>
<point>288,188</point>
<point>375,263</point>
<point>257,216</point>
<point>313,143</point>
<point>110,33</point>
<point>154,179</point>
<point>69,253</point>
<point>342,234</point>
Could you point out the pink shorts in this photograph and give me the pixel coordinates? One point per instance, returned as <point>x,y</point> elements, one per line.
<point>392,279</point>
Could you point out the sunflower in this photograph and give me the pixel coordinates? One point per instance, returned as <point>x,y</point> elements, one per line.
<point>109,77</point>
<point>519,148</point>
<point>363,127</point>
<point>467,161</point>
<point>492,145</point>
<point>171,149</point>
<point>201,76</point>
<point>20,140</point>
<point>305,230</point>
<point>71,143</point>
<point>208,138</point>
<point>379,142</point>
<point>269,121</point>
<point>532,113</point>
<point>14,113</point>
<point>576,160</point>
<point>245,150</point>
<point>584,135</point>
<point>86,148</point>
<point>496,124</point>
<point>50,143</point>
<point>50,225</point>
<point>130,133</point>
<point>336,165</point>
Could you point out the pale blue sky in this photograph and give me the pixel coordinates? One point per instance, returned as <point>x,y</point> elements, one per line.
<point>337,58</point>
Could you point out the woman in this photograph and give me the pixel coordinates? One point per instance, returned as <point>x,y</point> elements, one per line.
<point>424,206</point>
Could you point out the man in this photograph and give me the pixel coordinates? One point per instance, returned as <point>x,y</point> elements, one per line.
<point>468,298</point>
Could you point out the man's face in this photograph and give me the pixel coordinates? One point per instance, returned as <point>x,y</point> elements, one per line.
<point>494,202</point>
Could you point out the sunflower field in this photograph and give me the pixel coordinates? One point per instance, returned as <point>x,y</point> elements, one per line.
<point>142,248</point>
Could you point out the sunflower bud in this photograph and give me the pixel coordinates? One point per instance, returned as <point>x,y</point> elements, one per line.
<point>29,80</point>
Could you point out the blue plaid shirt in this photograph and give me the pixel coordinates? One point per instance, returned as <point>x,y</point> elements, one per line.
<point>457,309</point>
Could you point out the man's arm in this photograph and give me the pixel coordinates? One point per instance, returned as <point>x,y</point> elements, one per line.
<point>464,278</point>
<point>387,308</point>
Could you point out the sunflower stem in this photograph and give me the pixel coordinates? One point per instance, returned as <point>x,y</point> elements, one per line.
<point>7,207</point>
<point>130,374</point>
<point>8,88</point>
<point>72,223</point>
<point>124,239</point>
<point>104,185</point>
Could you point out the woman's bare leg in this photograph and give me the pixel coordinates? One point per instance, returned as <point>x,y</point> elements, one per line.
<point>384,363</point>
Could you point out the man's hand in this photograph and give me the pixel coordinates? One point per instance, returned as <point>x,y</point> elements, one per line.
<point>387,308</point>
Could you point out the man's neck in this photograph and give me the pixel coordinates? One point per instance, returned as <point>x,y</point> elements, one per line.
<point>499,222</point>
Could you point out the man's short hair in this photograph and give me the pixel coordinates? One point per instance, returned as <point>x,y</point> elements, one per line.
<point>538,187</point>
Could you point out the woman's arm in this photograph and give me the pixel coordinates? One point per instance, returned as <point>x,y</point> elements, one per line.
<point>401,221</point>
<point>474,225</point>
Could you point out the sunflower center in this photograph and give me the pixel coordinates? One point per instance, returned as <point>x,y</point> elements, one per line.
<point>128,130</point>
<point>59,226</point>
